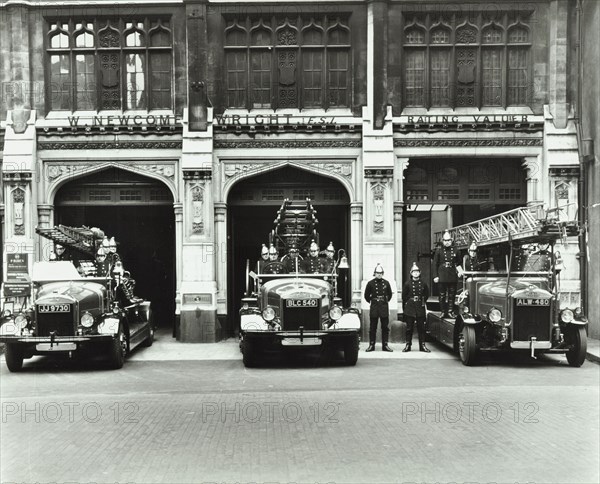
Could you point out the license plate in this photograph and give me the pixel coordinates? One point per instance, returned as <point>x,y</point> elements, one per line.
<point>298,342</point>
<point>521,301</point>
<point>54,308</point>
<point>301,303</point>
<point>56,347</point>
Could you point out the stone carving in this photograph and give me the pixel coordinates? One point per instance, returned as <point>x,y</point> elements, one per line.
<point>109,145</point>
<point>55,171</point>
<point>166,170</point>
<point>378,199</point>
<point>197,209</point>
<point>415,143</point>
<point>18,196</point>
<point>341,169</point>
<point>323,143</point>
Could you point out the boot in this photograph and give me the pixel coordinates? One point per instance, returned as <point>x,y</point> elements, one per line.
<point>424,348</point>
<point>371,347</point>
<point>385,347</point>
<point>406,348</point>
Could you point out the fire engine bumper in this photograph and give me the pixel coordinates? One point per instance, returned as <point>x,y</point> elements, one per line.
<point>302,338</point>
<point>38,345</point>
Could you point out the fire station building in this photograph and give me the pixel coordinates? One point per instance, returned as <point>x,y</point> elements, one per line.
<point>179,126</point>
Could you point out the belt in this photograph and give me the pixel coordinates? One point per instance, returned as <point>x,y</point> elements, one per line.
<point>381,299</point>
<point>416,298</point>
<point>447,264</point>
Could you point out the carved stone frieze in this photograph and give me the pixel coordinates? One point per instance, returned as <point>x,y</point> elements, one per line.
<point>18,202</point>
<point>108,145</point>
<point>164,169</point>
<point>493,142</point>
<point>54,171</point>
<point>240,169</point>
<point>286,144</point>
<point>197,192</point>
<point>341,169</point>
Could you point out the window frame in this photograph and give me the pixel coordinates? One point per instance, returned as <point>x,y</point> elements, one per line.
<point>123,50</point>
<point>427,24</point>
<point>301,24</point>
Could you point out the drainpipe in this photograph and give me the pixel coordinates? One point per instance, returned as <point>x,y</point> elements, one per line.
<point>582,186</point>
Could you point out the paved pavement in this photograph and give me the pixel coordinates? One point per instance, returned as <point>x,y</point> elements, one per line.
<point>192,413</point>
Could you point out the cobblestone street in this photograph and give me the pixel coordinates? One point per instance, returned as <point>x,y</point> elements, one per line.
<point>400,419</point>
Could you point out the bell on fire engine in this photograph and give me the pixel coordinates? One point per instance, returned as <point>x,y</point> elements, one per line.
<point>343,260</point>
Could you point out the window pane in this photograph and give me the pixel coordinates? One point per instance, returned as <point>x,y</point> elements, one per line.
<point>160,72</point>
<point>517,76</point>
<point>60,82</point>
<point>312,80</point>
<point>85,72</point>
<point>440,77</point>
<point>135,82</point>
<point>338,36</point>
<point>492,77</point>
<point>517,35</point>
<point>312,37</point>
<point>260,79</point>
<point>415,77</point>
<point>235,37</point>
<point>84,39</point>
<point>337,77</point>
<point>261,37</point>
<point>236,79</point>
<point>134,39</point>
<point>415,36</point>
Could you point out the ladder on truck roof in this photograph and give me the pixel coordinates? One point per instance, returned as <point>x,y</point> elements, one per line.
<point>295,226</point>
<point>525,224</point>
<point>84,239</point>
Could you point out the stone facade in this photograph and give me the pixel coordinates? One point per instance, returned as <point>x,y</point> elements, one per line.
<point>203,147</point>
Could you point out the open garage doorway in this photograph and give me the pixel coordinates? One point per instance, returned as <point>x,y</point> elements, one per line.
<point>252,208</point>
<point>138,212</point>
<point>446,192</point>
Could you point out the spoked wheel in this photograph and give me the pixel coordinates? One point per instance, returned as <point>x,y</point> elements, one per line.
<point>467,345</point>
<point>14,358</point>
<point>118,350</point>
<point>577,338</point>
<point>351,351</point>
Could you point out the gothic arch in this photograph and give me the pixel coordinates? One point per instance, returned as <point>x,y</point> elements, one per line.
<point>59,175</point>
<point>240,170</point>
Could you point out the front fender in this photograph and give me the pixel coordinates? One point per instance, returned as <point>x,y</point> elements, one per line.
<point>109,325</point>
<point>470,319</point>
<point>576,323</point>
<point>347,321</point>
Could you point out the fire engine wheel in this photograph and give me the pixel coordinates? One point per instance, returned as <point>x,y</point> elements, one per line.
<point>467,345</point>
<point>249,353</point>
<point>14,358</point>
<point>118,350</point>
<point>351,351</point>
<point>576,355</point>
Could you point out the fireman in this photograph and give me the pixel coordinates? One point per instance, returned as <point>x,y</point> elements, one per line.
<point>414,296</point>
<point>328,263</point>
<point>313,264</point>
<point>274,266</point>
<point>378,293</point>
<point>472,262</point>
<point>102,265</point>
<point>60,254</point>
<point>113,257</point>
<point>446,270</point>
<point>540,260</point>
<point>264,259</point>
<point>292,260</point>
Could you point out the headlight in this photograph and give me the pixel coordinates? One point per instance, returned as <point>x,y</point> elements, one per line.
<point>21,321</point>
<point>245,306</point>
<point>494,315</point>
<point>578,313</point>
<point>335,313</point>
<point>566,315</point>
<point>268,314</point>
<point>87,320</point>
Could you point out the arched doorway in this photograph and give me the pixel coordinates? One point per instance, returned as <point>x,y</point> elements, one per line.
<point>138,212</point>
<point>252,207</point>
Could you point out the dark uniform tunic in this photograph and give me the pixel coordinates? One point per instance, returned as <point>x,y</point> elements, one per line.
<point>474,264</point>
<point>290,265</point>
<point>327,265</point>
<point>275,267</point>
<point>378,293</point>
<point>414,297</point>
<point>445,261</point>
<point>312,265</point>
<point>102,268</point>
<point>538,262</point>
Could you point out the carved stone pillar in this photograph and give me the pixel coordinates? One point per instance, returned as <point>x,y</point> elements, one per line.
<point>534,178</point>
<point>178,211</point>
<point>356,229</point>
<point>221,252</point>
<point>398,211</point>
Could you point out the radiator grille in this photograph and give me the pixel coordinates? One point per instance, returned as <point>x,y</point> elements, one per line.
<point>531,321</point>
<point>294,317</point>
<point>62,323</point>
